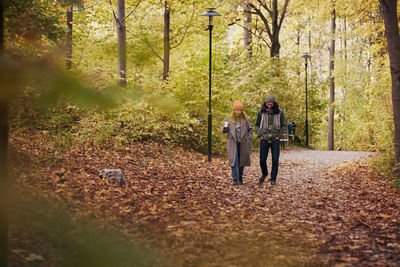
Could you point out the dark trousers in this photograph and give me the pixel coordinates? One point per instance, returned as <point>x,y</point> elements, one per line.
<point>275,150</point>
<point>237,172</point>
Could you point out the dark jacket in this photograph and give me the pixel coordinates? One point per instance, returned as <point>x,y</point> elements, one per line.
<point>271,133</point>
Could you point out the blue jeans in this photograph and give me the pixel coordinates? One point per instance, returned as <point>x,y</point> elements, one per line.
<point>275,150</point>
<point>237,172</point>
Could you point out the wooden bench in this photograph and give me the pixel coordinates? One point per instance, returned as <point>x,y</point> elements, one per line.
<point>286,137</point>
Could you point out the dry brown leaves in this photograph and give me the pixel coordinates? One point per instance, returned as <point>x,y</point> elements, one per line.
<point>195,216</point>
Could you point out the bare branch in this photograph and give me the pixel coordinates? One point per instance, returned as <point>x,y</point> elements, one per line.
<point>265,7</point>
<point>258,36</point>
<point>84,8</point>
<point>147,41</point>
<point>115,16</point>
<point>263,18</point>
<point>87,37</point>
<point>283,13</point>
<point>190,21</point>
<point>234,22</point>
<point>254,13</point>
<point>131,11</point>
<point>116,19</point>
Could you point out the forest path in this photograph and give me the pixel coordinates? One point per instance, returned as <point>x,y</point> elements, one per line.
<point>289,218</point>
<point>318,215</point>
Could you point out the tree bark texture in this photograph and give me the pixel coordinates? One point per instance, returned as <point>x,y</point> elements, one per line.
<point>167,47</point>
<point>310,53</point>
<point>331,118</point>
<point>3,159</point>
<point>1,29</point>
<point>69,38</point>
<point>389,10</point>
<point>121,35</point>
<point>247,37</point>
<point>275,45</point>
<point>345,45</point>
<point>4,182</point>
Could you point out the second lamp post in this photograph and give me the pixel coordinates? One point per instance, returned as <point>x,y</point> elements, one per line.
<point>210,13</point>
<point>306,57</point>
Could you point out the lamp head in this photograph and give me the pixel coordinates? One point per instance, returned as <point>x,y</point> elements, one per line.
<point>211,13</point>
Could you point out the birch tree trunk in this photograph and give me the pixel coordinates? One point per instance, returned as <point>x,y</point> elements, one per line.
<point>121,35</point>
<point>167,47</point>
<point>68,62</point>
<point>247,37</point>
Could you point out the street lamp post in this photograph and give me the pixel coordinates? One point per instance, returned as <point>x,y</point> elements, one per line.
<point>306,57</point>
<point>210,13</point>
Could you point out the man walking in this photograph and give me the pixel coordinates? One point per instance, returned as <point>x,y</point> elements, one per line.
<point>270,127</point>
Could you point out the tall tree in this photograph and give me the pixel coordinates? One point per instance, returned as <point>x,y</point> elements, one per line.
<point>169,43</point>
<point>247,37</point>
<point>389,10</point>
<point>121,35</point>
<point>167,46</point>
<point>273,24</point>
<point>331,80</point>
<point>3,155</point>
<point>70,12</point>
<point>69,37</point>
<point>345,45</point>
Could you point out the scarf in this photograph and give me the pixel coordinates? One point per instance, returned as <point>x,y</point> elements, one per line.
<point>264,121</point>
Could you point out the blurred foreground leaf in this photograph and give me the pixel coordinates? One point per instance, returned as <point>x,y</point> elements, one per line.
<point>76,242</point>
<point>54,84</point>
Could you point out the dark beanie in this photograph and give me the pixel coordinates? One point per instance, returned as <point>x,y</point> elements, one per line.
<point>270,98</point>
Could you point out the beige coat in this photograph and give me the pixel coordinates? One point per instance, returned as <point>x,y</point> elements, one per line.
<point>246,134</point>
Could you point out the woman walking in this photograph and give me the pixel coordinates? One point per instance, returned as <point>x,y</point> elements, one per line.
<point>239,135</point>
<point>270,126</point>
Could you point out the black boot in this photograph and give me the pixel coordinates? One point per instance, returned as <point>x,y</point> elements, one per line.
<point>240,180</point>
<point>262,178</point>
<point>235,182</point>
<point>273,182</point>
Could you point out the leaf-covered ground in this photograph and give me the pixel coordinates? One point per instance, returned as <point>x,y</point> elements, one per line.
<point>322,212</point>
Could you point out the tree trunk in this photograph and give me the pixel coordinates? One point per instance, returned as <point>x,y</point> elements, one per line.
<point>1,29</point>
<point>167,47</point>
<point>121,35</point>
<point>310,53</point>
<point>3,183</point>
<point>276,21</point>
<point>389,10</point>
<point>3,158</point>
<point>345,46</point>
<point>247,37</point>
<point>69,38</point>
<point>275,46</point>
<point>332,84</point>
